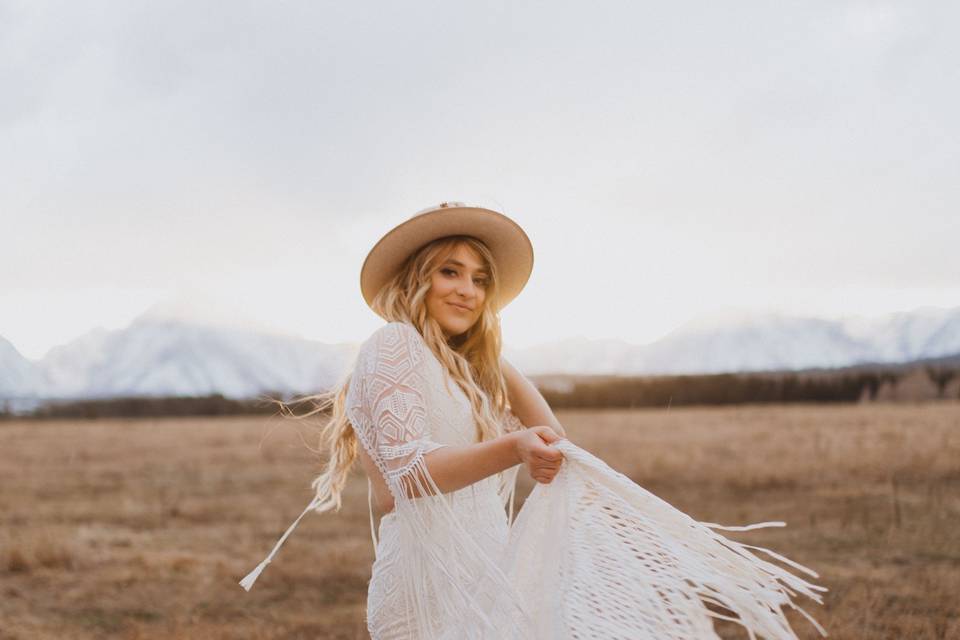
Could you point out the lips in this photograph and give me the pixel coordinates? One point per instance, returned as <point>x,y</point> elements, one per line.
<point>459,306</point>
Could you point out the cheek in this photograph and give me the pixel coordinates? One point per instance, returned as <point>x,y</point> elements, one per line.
<point>438,290</point>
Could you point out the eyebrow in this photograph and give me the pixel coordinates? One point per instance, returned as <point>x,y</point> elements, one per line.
<point>482,270</point>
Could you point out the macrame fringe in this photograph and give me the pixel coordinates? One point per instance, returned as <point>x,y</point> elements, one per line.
<point>599,556</point>
<point>251,577</point>
<point>451,583</point>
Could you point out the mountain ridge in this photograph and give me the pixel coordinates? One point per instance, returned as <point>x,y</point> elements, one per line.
<point>166,354</point>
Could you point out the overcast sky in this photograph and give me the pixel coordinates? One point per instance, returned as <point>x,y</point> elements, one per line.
<point>667,159</point>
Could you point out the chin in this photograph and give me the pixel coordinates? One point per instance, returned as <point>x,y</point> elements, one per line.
<point>456,329</point>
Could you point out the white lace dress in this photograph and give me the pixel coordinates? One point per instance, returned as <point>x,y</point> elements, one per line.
<point>591,555</point>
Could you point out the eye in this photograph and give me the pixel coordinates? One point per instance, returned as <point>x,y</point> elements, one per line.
<point>448,271</point>
<point>482,282</point>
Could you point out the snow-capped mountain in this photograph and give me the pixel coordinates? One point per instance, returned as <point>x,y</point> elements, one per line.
<point>164,353</point>
<point>925,332</point>
<point>160,354</point>
<point>741,341</point>
<point>169,357</point>
<point>18,375</point>
<point>767,341</point>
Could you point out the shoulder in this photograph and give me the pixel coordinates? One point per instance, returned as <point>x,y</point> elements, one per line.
<point>394,333</point>
<point>394,342</point>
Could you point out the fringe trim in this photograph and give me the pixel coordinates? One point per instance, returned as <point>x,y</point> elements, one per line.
<point>447,576</point>
<point>251,578</point>
<point>719,570</point>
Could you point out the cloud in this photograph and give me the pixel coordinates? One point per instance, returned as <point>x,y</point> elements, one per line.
<point>725,150</point>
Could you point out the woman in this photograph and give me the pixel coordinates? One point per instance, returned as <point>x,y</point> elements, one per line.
<point>441,419</point>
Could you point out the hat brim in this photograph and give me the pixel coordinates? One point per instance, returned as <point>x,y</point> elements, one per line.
<point>511,248</point>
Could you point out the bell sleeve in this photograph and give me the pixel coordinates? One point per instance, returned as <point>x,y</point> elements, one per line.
<point>387,407</point>
<point>446,574</point>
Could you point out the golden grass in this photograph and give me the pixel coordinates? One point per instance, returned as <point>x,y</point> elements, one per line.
<point>142,528</point>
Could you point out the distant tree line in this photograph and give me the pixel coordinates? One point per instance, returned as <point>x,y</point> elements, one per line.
<point>581,392</point>
<point>726,388</point>
<point>734,388</point>
<point>941,377</point>
<point>147,406</point>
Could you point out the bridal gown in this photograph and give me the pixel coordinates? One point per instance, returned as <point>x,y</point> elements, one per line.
<point>590,555</point>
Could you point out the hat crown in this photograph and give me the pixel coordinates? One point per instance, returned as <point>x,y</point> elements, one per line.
<point>448,204</point>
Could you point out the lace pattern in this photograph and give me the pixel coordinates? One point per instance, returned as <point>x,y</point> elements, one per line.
<point>439,572</point>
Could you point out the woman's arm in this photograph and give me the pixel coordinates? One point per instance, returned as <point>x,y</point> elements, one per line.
<point>454,467</point>
<point>526,401</point>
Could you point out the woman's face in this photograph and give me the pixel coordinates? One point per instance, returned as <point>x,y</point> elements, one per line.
<point>457,291</point>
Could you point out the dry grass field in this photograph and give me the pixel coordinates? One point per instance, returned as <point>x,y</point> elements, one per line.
<point>142,528</point>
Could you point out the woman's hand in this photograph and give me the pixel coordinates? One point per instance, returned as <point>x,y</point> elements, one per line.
<point>533,448</point>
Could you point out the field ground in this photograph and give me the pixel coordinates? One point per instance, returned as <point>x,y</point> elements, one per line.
<point>142,528</point>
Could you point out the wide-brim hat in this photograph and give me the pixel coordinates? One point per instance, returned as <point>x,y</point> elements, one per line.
<point>511,248</point>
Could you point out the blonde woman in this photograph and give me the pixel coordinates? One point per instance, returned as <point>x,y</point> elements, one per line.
<point>441,424</point>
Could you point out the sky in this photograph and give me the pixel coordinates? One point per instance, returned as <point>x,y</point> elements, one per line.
<point>667,160</point>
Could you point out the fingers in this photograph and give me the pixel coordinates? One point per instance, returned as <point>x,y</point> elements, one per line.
<point>539,447</point>
<point>547,463</point>
<point>543,461</point>
<point>544,472</point>
<point>547,434</point>
<point>545,478</point>
<point>552,457</point>
<point>548,454</point>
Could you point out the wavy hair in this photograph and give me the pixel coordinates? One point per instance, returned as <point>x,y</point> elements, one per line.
<point>472,360</point>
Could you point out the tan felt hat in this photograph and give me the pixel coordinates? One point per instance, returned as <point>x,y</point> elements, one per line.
<point>511,248</point>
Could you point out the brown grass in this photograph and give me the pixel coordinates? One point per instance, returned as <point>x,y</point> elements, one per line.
<point>142,528</point>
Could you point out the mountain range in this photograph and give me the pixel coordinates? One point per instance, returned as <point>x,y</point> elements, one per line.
<point>159,354</point>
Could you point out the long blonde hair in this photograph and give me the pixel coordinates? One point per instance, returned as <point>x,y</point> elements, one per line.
<point>472,359</point>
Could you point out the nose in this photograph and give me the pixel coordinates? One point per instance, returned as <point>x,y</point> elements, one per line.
<point>467,288</point>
